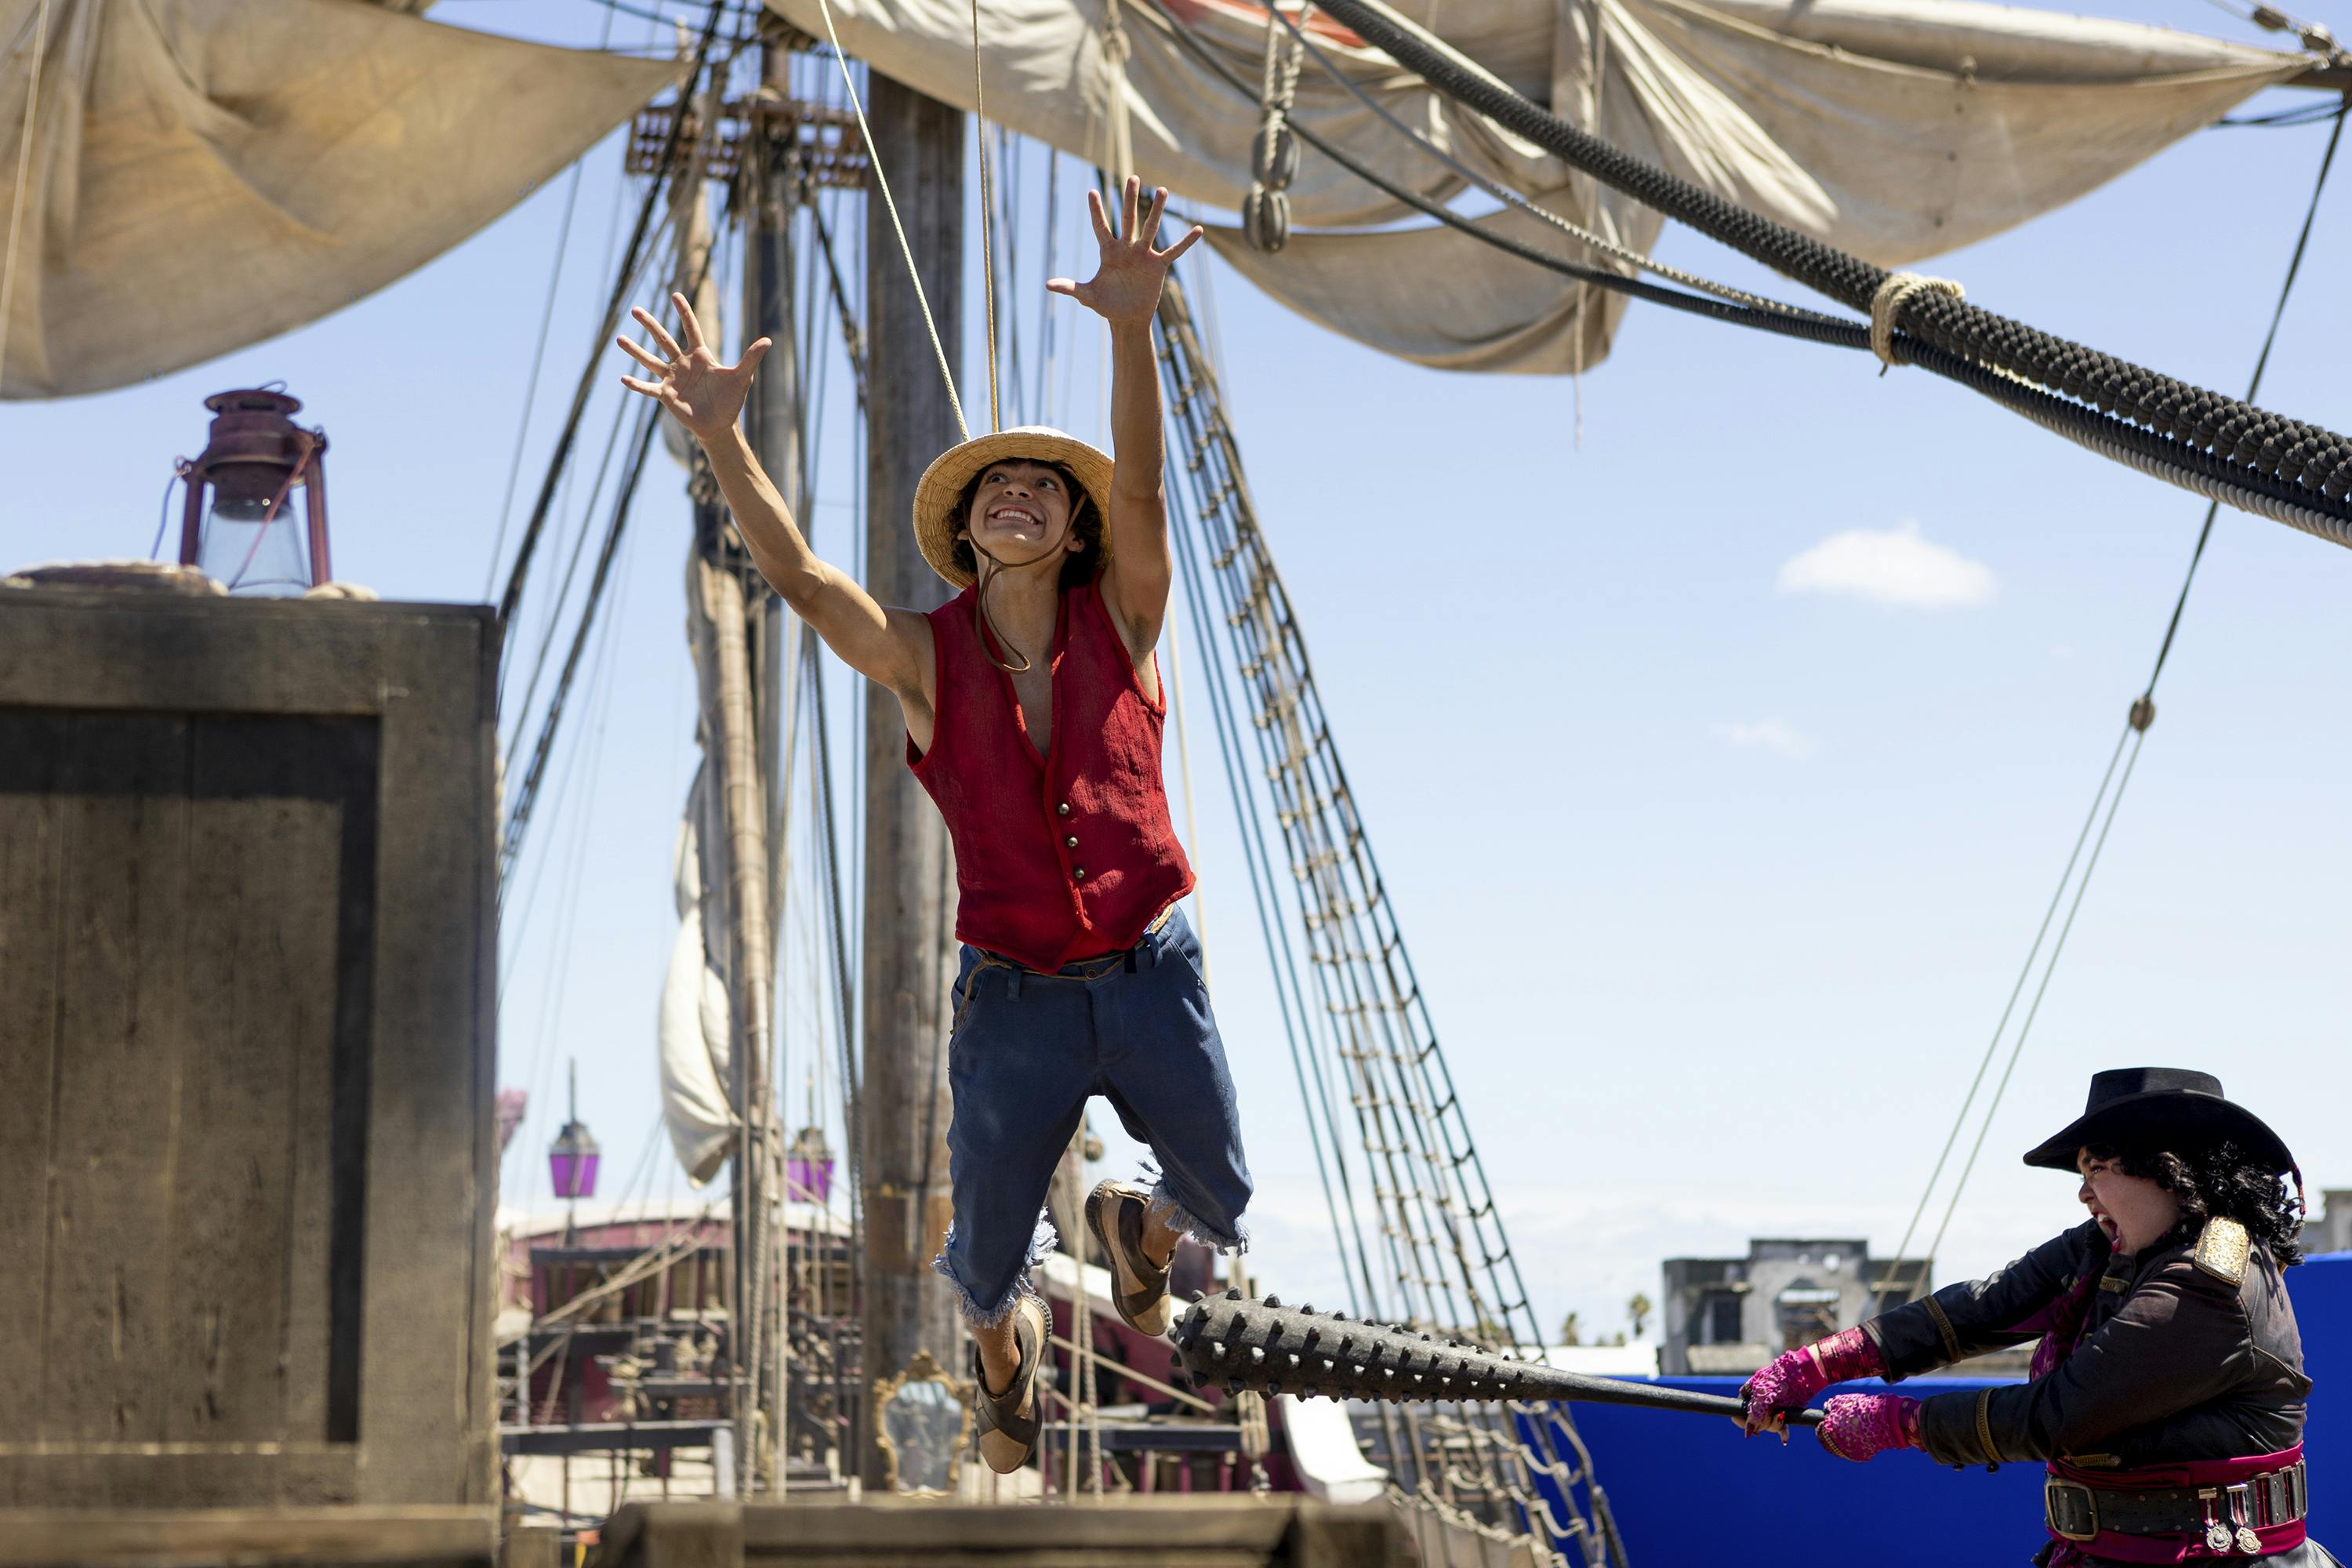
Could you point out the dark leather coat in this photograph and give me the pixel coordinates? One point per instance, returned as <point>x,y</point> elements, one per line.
<point>2176,1360</point>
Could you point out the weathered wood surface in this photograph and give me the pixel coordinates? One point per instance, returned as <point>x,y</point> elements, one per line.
<point>246,1147</point>
<point>530,1546</point>
<point>235,1537</point>
<point>909,948</point>
<point>1156,1532</point>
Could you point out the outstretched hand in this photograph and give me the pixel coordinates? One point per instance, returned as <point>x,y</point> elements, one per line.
<point>1126,285</point>
<point>705,396</point>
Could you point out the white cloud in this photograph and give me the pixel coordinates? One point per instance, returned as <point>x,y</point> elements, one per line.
<point>1892,566</point>
<point>1771,735</point>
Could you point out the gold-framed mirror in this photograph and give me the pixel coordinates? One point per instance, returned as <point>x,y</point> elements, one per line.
<point>922,1419</point>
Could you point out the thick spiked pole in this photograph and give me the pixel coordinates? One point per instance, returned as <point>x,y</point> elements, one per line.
<point>1237,1343</point>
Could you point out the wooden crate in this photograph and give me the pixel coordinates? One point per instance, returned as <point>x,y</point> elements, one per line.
<point>1136,1532</point>
<point>236,1538</point>
<point>246,1157</point>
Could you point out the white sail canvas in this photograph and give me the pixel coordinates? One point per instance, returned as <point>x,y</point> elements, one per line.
<point>1897,128</point>
<point>204,174</point>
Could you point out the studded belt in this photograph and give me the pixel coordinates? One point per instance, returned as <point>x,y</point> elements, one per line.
<point>2245,1519</point>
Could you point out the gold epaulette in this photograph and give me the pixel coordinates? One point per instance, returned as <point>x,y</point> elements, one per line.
<point>2221,1250</point>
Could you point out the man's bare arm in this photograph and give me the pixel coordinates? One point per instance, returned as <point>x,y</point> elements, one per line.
<point>1125,292</point>
<point>891,648</point>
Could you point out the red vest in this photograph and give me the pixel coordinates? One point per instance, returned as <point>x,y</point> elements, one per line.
<point>1069,856</point>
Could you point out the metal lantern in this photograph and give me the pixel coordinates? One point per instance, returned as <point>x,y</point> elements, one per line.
<point>808,1167</point>
<point>238,525</point>
<point>572,1157</point>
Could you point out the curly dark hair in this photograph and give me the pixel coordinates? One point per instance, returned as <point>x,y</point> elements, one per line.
<point>2216,1179</point>
<point>1079,567</point>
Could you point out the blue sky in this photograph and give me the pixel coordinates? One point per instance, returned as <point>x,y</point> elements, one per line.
<point>1721,763</point>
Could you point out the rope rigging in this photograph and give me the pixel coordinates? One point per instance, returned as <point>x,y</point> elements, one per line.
<point>2276,466</point>
<point>1509,197</point>
<point>665,167</point>
<point>2134,736</point>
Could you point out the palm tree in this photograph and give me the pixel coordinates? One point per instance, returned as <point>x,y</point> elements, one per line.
<point>1638,1310</point>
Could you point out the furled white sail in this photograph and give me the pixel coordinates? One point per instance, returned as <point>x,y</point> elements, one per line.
<point>1897,128</point>
<point>694,1024</point>
<point>203,174</point>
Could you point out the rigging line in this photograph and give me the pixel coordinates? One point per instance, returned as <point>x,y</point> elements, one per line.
<point>890,203</point>
<point>1282,956</point>
<point>2256,450</point>
<point>1782,321</point>
<point>1298,1027</point>
<point>2262,363</point>
<point>1992,1045</point>
<point>1502,193</point>
<point>987,217</point>
<point>1268,921</point>
<point>2027,1029</point>
<point>853,341</point>
<point>548,629</point>
<point>537,355</point>
<point>566,866</point>
<point>1008,205</point>
<point>24,171</point>
<point>519,574</point>
<point>2172,627</point>
<point>518,823</point>
<point>1044,412</point>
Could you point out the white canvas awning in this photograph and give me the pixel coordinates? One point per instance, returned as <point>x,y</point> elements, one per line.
<point>204,174</point>
<point>1897,128</point>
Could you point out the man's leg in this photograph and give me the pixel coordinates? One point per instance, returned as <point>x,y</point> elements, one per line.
<point>1165,1068</point>
<point>1020,1069</point>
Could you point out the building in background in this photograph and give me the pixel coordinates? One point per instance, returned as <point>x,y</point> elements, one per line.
<point>2329,1229</point>
<point>1731,1315</point>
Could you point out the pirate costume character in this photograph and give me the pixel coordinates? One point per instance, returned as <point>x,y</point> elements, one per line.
<point>2167,1394</point>
<point>1079,974</point>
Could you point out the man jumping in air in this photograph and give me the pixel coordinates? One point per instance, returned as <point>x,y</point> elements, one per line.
<point>1033,716</point>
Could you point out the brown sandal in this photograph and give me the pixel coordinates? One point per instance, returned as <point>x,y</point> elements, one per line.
<point>1116,1213</point>
<point>1007,1423</point>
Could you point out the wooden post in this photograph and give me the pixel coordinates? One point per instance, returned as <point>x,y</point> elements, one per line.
<point>910,950</point>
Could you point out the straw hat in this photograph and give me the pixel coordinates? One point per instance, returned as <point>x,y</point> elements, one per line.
<point>943,485</point>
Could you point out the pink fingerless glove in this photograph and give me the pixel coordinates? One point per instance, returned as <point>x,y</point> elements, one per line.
<point>1788,1384</point>
<point>1859,1427</point>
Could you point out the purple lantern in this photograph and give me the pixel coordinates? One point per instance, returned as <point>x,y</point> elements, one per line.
<point>808,1167</point>
<point>572,1157</point>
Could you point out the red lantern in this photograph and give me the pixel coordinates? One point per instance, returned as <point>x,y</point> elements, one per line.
<point>246,537</point>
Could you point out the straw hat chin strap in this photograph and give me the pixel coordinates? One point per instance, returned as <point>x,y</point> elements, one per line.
<point>982,619</point>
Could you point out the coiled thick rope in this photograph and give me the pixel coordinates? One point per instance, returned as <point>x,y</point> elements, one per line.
<point>2251,444</point>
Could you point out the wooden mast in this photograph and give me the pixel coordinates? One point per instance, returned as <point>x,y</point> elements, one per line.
<point>772,422</point>
<point>909,947</point>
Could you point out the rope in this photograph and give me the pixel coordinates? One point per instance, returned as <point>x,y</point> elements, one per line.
<point>539,352</point>
<point>882,181</point>
<point>1782,320</point>
<point>2250,444</point>
<point>1887,302</point>
<point>558,460</point>
<point>23,167</point>
<point>2143,713</point>
<point>2155,452</point>
<point>2262,363</point>
<point>1503,193</point>
<point>987,217</point>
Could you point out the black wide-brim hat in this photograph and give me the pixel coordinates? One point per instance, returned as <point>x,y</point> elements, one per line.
<point>2136,1104</point>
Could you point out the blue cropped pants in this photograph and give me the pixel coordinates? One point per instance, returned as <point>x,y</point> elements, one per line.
<point>1027,1051</point>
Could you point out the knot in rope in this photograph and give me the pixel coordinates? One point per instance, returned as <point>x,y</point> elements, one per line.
<point>1274,154</point>
<point>1888,301</point>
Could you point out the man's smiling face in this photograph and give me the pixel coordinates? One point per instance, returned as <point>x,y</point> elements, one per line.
<point>1020,509</point>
